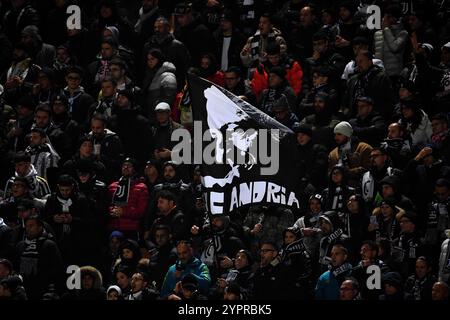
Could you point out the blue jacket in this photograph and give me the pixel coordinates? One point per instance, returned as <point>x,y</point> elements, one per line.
<point>328,285</point>
<point>196,267</point>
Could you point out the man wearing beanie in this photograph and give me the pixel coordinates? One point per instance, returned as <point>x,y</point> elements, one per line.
<point>312,157</point>
<point>350,153</point>
<point>278,86</point>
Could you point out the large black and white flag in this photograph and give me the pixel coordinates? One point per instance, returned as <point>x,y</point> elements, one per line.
<point>247,156</point>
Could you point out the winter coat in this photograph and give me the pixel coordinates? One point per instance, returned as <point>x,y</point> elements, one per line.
<point>43,157</point>
<point>38,186</point>
<point>134,210</point>
<point>111,152</point>
<point>370,130</point>
<point>420,289</point>
<point>79,104</point>
<point>269,282</point>
<point>258,45</point>
<point>40,264</point>
<point>329,283</point>
<point>162,88</point>
<point>373,83</point>
<point>422,134</point>
<point>134,132</point>
<point>195,267</point>
<point>177,222</point>
<point>358,161</point>
<point>389,46</point>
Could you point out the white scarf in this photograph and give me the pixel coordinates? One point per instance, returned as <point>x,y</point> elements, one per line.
<point>65,208</point>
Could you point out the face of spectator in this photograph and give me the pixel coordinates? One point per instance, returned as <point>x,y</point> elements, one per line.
<point>315,206</point>
<point>19,54</point>
<point>319,105</point>
<point>117,73</point>
<point>122,101</point>
<point>87,282</point>
<point>127,253</point>
<point>303,138</point>
<point>162,116</point>
<point>59,107</point>
<point>18,189</point>
<point>320,45</point>
<point>406,225</point>
<point>106,12</point>
<point>162,237</point>
<point>36,139</point>
<point>274,80</point>
<point>386,211</point>
<point>364,109</point>
<point>389,289</point>
<point>169,173</point>
<point>65,191</point>
<point>289,237</point>
<point>107,51</point>
<point>388,20</point>
<point>108,89</point>
<point>442,193</point>
<point>127,170</point>
<point>347,292</point>
<point>439,291</point>
<point>84,177</point>
<point>231,80</point>
<point>407,112</point>
<point>327,19</point>
<point>160,28</point>
<point>42,119</point>
<point>4,271</point>
<point>122,280</point>
<point>113,295</point>
<point>184,252</point>
<point>23,112</point>
<point>205,62</point>
<point>86,149</point>
<point>367,253</point>
<point>319,79</point>
<point>22,168</point>
<point>353,205</point>
<point>439,126</point>
<point>32,229</point>
<point>264,26</point>
<point>152,61</point>
<point>43,81</point>
<point>184,19</point>
<point>137,282</point>
<point>421,269</point>
<point>359,47</point>
<point>404,93</point>
<point>394,131</point>
<point>241,260</point>
<point>165,206</point>
<point>387,191</point>
<point>226,25</point>
<point>73,80</point>
<point>414,22</point>
<point>150,170</point>
<point>338,257</point>
<point>340,139</point>
<point>281,114</point>
<point>274,59</point>
<point>267,253</point>
<point>4,291</point>
<point>378,159</point>
<point>98,128</point>
<point>344,14</point>
<point>24,214</point>
<point>230,296</point>
<point>62,55</point>
<point>336,176</point>
<point>363,63</point>
<point>306,17</point>
<point>114,244</point>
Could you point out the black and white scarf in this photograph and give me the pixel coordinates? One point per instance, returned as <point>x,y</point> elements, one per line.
<point>29,257</point>
<point>337,271</point>
<point>120,197</point>
<point>213,246</point>
<point>65,204</point>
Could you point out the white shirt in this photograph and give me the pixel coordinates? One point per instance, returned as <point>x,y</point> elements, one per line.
<point>225,47</point>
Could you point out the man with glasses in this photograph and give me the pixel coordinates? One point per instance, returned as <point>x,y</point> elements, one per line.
<point>79,101</point>
<point>349,290</point>
<point>236,85</point>
<point>269,279</point>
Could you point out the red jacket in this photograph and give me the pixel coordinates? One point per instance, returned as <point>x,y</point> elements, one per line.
<point>135,209</point>
<point>294,75</point>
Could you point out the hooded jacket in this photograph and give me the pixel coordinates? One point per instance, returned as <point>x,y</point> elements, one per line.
<point>44,54</point>
<point>195,267</point>
<point>336,236</point>
<point>389,46</point>
<point>38,186</point>
<point>162,88</point>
